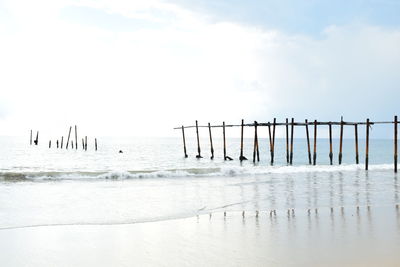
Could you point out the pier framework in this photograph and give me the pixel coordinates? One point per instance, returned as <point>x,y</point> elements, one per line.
<point>289,138</point>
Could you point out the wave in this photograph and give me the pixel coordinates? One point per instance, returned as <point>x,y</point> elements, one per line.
<point>225,171</point>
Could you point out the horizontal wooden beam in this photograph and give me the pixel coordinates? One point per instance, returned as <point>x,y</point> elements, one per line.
<point>284,124</point>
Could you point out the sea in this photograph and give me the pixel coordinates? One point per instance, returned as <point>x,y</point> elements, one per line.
<point>151,206</point>
<point>152,180</point>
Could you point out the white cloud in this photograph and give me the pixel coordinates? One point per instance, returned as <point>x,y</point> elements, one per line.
<point>57,73</point>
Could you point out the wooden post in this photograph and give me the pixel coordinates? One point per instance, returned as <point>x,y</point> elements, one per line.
<point>76,137</point>
<point>85,143</point>
<point>330,144</point>
<point>31,138</point>
<point>62,141</point>
<point>211,142</point>
<point>287,140</point>
<point>198,156</point>
<point>256,151</point>
<point>315,143</point>
<point>367,145</point>
<point>72,144</point>
<point>69,133</point>
<point>273,142</point>
<point>49,143</point>
<point>36,142</point>
<point>57,143</point>
<point>95,144</point>
<point>395,143</point>
<point>241,158</point>
<point>184,142</point>
<point>291,142</point>
<point>255,142</point>
<point>308,142</point>
<point>270,140</point>
<point>356,141</point>
<point>341,141</point>
<point>223,133</point>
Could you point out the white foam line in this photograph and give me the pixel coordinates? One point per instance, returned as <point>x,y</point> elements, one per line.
<point>200,172</point>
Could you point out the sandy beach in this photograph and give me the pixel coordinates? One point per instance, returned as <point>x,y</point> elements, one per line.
<point>342,237</point>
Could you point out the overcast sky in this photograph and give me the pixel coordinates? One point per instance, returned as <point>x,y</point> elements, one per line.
<point>141,67</point>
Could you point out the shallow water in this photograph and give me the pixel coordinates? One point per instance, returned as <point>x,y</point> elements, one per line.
<point>152,181</point>
<point>338,237</point>
<point>46,194</point>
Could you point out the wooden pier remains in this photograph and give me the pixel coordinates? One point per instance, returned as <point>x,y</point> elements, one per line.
<point>290,142</point>
<point>211,142</point>
<point>308,141</point>
<point>59,143</point>
<point>69,134</point>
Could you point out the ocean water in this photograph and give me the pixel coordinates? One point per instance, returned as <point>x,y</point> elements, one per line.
<point>152,180</point>
<point>150,206</point>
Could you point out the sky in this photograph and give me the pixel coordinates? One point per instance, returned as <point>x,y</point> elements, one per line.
<point>140,68</point>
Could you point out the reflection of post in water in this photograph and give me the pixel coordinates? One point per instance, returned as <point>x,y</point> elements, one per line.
<point>341,195</point>
<point>315,190</point>
<point>396,190</point>
<point>331,190</point>
<point>256,196</point>
<point>367,189</point>
<point>272,195</point>
<point>341,202</point>
<point>308,191</point>
<point>398,217</point>
<point>289,193</point>
<point>358,218</point>
<point>370,222</point>
<point>357,185</point>
<point>331,202</point>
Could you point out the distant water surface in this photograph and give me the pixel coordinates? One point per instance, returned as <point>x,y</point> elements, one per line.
<point>152,180</point>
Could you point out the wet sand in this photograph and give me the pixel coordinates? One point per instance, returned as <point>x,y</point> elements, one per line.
<point>323,237</point>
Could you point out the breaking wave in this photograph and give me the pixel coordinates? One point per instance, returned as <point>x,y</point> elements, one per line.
<point>227,171</point>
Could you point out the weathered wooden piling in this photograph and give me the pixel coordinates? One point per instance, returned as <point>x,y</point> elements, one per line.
<point>241,158</point>
<point>223,134</point>
<point>85,143</point>
<point>31,138</point>
<point>270,139</point>
<point>287,140</point>
<point>76,138</point>
<point>289,147</point>
<point>367,144</point>
<point>62,141</point>
<point>211,142</point>
<point>95,144</point>
<point>49,143</point>
<point>330,144</point>
<point>198,141</point>
<point>256,152</point>
<point>308,142</point>
<point>315,143</point>
<point>341,141</point>
<point>184,142</point>
<point>36,142</point>
<point>291,141</point>
<point>395,143</point>
<point>57,143</point>
<point>72,144</point>
<point>69,134</point>
<point>356,141</point>
<point>273,142</point>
